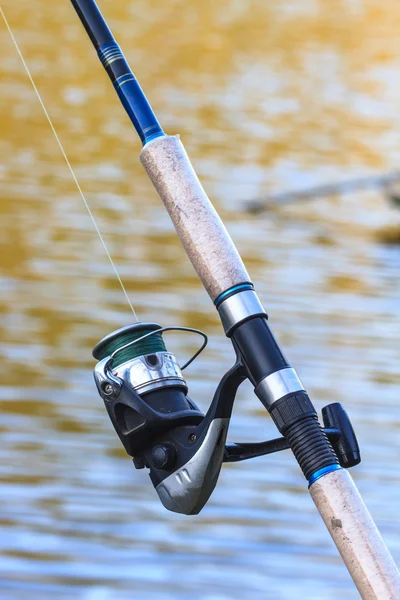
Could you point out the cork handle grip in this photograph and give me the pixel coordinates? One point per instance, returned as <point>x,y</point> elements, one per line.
<point>356,536</point>
<point>202,233</point>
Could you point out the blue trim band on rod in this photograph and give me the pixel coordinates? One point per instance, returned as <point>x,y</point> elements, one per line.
<point>321,472</point>
<point>233,290</point>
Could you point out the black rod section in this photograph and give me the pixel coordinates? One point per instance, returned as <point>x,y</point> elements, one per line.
<point>293,413</point>
<point>94,23</point>
<point>127,87</point>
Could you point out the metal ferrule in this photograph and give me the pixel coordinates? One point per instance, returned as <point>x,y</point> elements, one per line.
<point>238,308</point>
<point>150,372</point>
<point>277,385</point>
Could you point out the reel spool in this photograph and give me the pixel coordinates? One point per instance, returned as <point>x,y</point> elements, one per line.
<point>137,355</point>
<point>142,384</point>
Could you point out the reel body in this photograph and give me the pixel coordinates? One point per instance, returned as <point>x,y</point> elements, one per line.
<point>162,429</point>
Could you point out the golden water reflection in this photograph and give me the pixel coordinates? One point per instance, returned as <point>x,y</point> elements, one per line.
<point>267,97</point>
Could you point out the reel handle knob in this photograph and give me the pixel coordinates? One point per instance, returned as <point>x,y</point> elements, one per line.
<point>346,447</point>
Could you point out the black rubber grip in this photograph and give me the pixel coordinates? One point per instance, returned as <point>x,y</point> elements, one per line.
<point>291,408</point>
<point>297,420</point>
<point>310,446</point>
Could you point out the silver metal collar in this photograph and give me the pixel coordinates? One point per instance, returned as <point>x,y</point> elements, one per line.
<point>278,384</point>
<point>238,308</point>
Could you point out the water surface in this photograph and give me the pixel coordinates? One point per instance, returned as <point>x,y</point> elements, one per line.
<point>267,97</point>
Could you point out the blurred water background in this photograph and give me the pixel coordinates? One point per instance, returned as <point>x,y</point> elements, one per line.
<point>267,96</point>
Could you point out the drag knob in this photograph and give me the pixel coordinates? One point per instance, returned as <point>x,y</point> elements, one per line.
<point>163,456</point>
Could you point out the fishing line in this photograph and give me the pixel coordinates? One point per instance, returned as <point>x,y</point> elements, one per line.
<point>68,163</point>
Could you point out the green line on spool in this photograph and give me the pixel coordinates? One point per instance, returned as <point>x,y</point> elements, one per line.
<point>150,345</point>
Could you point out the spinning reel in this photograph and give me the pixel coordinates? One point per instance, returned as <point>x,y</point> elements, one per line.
<point>146,397</point>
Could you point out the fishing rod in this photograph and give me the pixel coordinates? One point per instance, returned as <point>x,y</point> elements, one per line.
<point>146,394</point>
